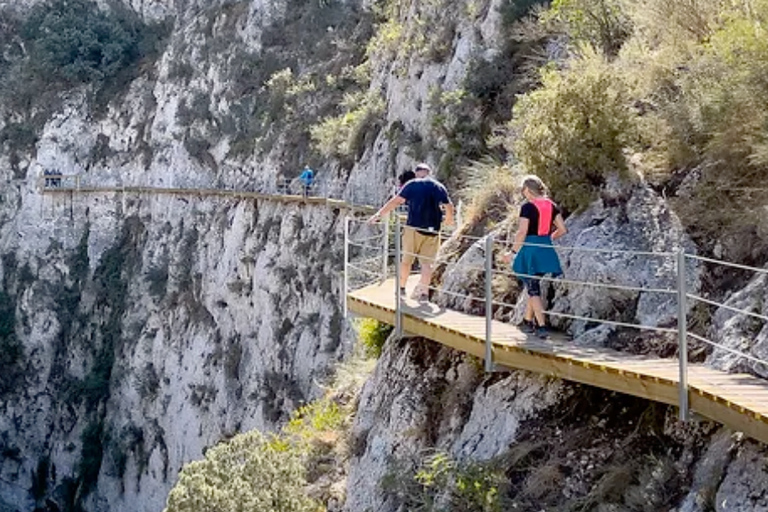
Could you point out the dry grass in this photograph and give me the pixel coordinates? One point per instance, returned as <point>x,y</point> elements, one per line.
<point>543,481</point>
<point>492,190</point>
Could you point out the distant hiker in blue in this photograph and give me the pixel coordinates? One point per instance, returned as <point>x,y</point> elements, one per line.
<point>307,178</point>
<point>541,221</point>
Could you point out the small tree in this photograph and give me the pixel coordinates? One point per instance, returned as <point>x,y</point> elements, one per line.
<point>572,131</point>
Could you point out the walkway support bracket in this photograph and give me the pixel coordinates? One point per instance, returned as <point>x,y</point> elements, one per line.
<point>682,335</point>
<point>398,271</point>
<point>346,265</point>
<point>385,248</point>
<point>488,303</point>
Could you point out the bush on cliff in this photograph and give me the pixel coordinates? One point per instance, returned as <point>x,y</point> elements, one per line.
<point>572,131</point>
<point>249,472</point>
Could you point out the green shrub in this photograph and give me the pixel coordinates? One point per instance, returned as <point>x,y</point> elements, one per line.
<point>372,334</point>
<point>74,41</point>
<point>491,189</point>
<point>604,24</point>
<point>573,130</point>
<point>343,137</point>
<point>319,416</point>
<point>441,483</point>
<point>249,472</point>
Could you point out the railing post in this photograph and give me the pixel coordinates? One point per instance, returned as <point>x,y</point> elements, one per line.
<point>385,248</point>
<point>488,302</point>
<point>398,258</point>
<point>682,335</point>
<point>346,264</point>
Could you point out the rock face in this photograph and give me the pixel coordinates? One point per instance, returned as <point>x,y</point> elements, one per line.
<point>152,326</point>
<point>742,333</point>
<point>552,443</point>
<point>646,236</point>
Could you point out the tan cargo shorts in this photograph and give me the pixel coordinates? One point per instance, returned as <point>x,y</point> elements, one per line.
<point>418,244</point>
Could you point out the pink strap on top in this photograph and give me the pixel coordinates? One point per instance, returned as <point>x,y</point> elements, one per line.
<point>546,208</point>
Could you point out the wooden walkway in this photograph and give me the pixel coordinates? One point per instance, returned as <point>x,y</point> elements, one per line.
<point>737,400</point>
<point>240,194</point>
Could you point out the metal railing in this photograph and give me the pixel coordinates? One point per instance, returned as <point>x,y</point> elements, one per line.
<point>366,258</point>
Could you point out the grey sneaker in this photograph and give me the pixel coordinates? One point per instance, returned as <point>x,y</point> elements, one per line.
<point>542,333</point>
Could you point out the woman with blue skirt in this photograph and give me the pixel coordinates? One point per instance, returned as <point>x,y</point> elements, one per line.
<point>540,223</point>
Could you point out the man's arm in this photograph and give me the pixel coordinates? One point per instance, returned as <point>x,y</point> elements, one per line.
<point>388,207</point>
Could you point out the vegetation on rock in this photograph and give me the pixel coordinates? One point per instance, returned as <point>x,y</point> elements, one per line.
<point>284,472</point>
<point>372,335</point>
<point>677,89</point>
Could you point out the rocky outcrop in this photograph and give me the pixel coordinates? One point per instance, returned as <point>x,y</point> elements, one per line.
<point>742,333</point>
<point>537,443</point>
<point>629,238</point>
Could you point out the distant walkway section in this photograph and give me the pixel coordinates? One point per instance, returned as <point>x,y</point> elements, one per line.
<point>331,193</point>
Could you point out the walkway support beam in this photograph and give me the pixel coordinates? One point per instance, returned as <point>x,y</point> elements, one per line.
<point>682,335</point>
<point>385,248</point>
<point>346,264</point>
<point>398,271</point>
<point>488,303</point>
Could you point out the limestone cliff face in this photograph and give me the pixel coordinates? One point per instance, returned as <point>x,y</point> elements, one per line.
<point>556,444</point>
<point>151,327</point>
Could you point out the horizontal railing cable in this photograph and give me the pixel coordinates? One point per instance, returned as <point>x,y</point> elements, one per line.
<point>378,237</point>
<point>727,349</point>
<point>729,308</point>
<point>364,284</point>
<point>727,264</point>
<point>458,295</point>
<point>597,320</point>
<point>587,283</point>
<point>364,270</point>
<point>558,247</point>
<point>365,247</point>
<point>373,259</point>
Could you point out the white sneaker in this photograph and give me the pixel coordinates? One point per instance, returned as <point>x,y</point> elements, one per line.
<point>420,293</point>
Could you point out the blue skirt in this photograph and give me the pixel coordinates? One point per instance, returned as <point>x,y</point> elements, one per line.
<point>540,259</point>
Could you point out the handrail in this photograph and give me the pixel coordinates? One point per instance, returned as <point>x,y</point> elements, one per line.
<point>561,280</point>
<point>727,307</point>
<point>727,349</point>
<point>727,263</point>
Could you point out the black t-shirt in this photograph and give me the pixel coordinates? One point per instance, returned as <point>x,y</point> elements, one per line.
<point>424,197</point>
<point>530,211</point>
